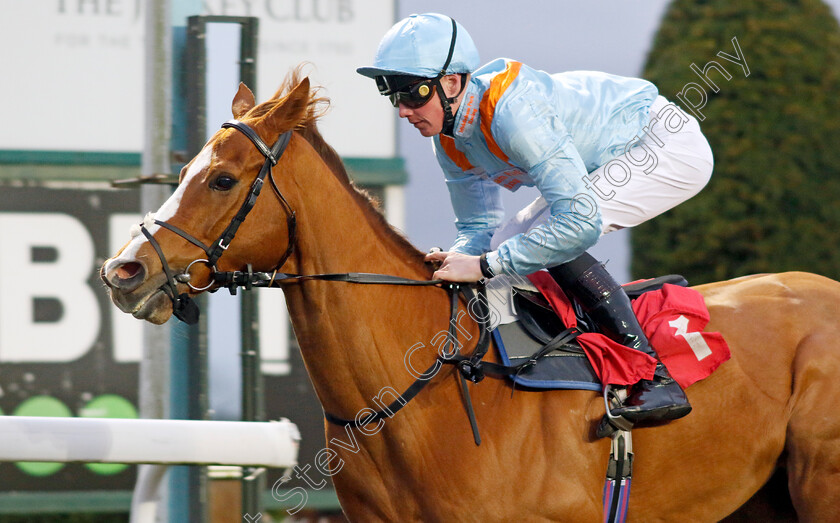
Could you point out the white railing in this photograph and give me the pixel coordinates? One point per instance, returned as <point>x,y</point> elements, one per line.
<point>271,444</point>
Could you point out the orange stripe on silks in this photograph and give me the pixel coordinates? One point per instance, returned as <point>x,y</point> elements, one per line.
<point>460,159</point>
<point>498,86</point>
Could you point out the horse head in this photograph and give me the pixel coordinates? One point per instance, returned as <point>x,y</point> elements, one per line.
<point>175,252</point>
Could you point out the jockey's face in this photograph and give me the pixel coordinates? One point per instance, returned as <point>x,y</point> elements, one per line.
<point>428,119</point>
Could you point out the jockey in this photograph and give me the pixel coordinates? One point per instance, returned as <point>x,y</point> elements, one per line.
<point>605,152</point>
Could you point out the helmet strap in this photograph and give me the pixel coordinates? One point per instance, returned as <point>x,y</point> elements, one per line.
<point>448,117</point>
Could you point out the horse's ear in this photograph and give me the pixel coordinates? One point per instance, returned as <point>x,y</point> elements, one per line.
<point>291,110</point>
<point>243,102</point>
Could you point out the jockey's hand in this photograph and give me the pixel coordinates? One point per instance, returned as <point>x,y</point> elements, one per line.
<point>455,266</point>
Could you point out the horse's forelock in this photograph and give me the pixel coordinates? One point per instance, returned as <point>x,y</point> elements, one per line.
<point>316,105</point>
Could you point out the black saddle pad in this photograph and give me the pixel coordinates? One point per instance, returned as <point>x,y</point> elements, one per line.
<point>568,367</point>
<point>560,369</point>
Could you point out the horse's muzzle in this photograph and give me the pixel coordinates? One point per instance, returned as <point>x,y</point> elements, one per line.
<point>134,292</point>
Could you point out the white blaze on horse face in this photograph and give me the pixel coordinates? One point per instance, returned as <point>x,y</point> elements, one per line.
<point>169,207</point>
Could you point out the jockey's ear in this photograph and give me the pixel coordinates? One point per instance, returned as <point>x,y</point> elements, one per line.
<point>243,101</point>
<point>291,110</point>
<point>451,84</point>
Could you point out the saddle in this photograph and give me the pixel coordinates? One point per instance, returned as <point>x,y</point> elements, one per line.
<point>566,366</point>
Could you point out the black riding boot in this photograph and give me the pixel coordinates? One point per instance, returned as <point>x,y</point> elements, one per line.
<point>603,299</point>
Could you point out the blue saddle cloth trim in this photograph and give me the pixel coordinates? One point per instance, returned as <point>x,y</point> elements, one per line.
<point>542,383</point>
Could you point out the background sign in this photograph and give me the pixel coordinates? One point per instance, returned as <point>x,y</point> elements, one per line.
<point>78,69</point>
<point>63,350</point>
<point>75,64</point>
<point>335,37</point>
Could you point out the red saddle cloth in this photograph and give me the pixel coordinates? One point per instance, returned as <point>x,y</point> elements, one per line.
<point>673,319</point>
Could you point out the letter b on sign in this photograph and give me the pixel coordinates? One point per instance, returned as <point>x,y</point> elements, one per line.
<point>46,258</point>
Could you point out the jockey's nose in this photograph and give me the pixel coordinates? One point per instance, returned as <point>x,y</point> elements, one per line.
<point>405,112</point>
<point>124,276</point>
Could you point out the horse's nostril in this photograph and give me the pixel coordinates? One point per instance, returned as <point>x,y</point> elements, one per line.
<point>125,276</point>
<point>128,270</point>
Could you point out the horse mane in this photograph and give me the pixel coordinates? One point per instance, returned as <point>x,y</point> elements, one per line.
<point>307,128</point>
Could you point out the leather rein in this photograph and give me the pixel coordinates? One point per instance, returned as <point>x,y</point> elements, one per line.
<point>470,368</point>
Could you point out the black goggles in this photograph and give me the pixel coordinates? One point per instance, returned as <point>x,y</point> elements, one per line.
<point>411,91</point>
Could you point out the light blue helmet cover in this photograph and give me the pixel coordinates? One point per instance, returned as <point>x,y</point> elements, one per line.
<point>418,46</point>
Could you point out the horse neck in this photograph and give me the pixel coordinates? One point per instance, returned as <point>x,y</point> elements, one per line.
<point>339,230</point>
<point>354,337</point>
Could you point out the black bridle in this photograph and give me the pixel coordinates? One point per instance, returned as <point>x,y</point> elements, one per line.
<point>183,306</point>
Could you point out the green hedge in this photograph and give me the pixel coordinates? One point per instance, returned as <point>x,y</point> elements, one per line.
<point>773,203</point>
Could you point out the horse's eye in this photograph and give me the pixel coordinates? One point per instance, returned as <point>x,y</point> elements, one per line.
<point>223,183</point>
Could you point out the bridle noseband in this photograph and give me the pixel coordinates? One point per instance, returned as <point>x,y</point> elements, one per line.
<point>183,306</point>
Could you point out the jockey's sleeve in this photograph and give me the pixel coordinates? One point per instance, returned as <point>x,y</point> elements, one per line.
<point>531,133</point>
<point>477,203</point>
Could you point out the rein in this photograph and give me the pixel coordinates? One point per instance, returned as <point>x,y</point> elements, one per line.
<point>470,368</point>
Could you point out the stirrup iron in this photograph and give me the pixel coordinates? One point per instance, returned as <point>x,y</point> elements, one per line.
<point>609,424</point>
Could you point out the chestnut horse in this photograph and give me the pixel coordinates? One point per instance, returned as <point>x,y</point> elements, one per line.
<point>769,406</point>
